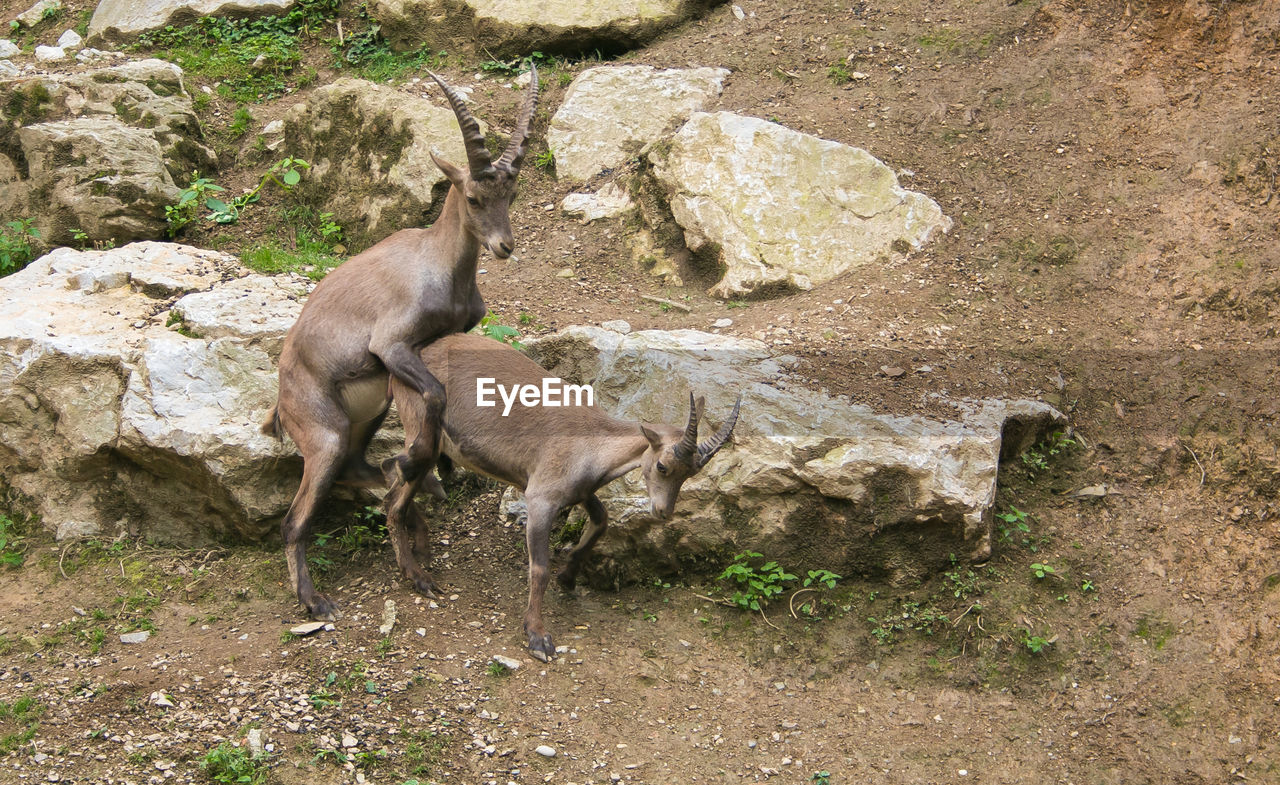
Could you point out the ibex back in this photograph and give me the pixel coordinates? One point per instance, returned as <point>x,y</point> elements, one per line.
<point>368,320</point>
<point>558,456</point>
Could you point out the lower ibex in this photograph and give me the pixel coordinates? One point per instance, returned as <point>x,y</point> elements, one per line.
<point>368,320</point>
<point>558,456</point>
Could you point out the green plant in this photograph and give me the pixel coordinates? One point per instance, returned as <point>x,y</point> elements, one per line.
<point>518,65</point>
<point>1016,524</point>
<point>1042,571</point>
<point>24,713</point>
<point>497,669</point>
<point>545,160</point>
<point>241,119</point>
<point>289,173</point>
<point>756,586</point>
<point>818,578</point>
<point>490,327</point>
<point>231,763</point>
<point>1036,643</point>
<point>838,74</point>
<point>821,778</point>
<point>16,240</point>
<point>1086,586</point>
<point>1037,458</point>
<point>11,550</point>
<point>190,198</point>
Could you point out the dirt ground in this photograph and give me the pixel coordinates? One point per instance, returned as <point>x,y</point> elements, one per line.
<point>1110,168</point>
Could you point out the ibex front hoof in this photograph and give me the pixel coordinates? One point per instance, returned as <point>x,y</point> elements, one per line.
<point>426,586</point>
<point>434,487</point>
<point>540,646</point>
<point>321,608</point>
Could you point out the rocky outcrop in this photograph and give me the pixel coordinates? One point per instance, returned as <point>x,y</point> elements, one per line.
<point>99,151</point>
<point>512,28</point>
<point>809,480</point>
<point>370,153</point>
<point>609,114</point>
<point>123,20</point>
<point>132,385</point>
<point>783,210</point>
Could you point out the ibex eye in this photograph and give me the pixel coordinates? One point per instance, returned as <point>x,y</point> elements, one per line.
<point>474,202</point>
<point>661,468</point>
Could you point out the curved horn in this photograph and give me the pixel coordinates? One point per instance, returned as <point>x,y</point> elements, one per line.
<point>686,450</point>
<point>711,446</point>
<point>477,154</point>
<point>514,154</point>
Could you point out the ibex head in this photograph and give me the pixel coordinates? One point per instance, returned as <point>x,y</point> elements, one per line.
<point>674,455</point>
<point>488,186</point>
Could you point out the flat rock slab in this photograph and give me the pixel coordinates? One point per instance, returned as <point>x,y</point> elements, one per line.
<point>609,114</point>
<point>124,20</point>
<point>785,211</point>
<point>882,494</point>
<point>512,28</point>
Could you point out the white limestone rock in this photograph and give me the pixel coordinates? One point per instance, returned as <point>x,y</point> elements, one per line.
<point>609,114</point>
<point>787,211</point>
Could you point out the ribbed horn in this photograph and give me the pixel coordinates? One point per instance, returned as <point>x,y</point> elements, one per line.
<point>687,449</point>
<point>513,156</point>
<point>711,446</point>
<point>478,158</point>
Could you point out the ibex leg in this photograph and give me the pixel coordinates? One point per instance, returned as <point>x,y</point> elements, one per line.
<point>322,440</point>
<point>538,538</point>
<point>597,522</point>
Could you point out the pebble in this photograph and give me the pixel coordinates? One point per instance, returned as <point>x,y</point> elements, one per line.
<point>8,69</point>
<point>48,54</point>
<point>506,662</point>
<point>8,48</point>
<point>388,617</point>
<point>135,637</point>
<point>158,698</point>
<point>566,273</point>
<point>70,40</point>
<point>617,326</point>
<point>545,751</point>
<point>273,127</point>
<point>722,322</point>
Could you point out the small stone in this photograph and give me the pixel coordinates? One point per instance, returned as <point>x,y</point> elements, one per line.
<point>507,662</point>
<point>254,740</point>
<point>722,322</point>
<point>273,127</point>
<point>8,48</point>
<point>892,371</point>
<point>308,628</point>
<point>617,326</point>
<point>135,637</point>
<point>388,617</point>
<point>8,69</point>
<point>48,54</point>
<point>545,751</point>
<point>70,40</point>
<point>566,273</point>
<point>738,13</point>
<point>349,741</point>
<point>158,698</point>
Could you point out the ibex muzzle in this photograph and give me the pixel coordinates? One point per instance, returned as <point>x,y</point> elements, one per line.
<point>558,456</point>
<point>369,319</point>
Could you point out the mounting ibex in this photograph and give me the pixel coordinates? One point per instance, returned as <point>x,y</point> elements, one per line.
<point>558,456</point>
<point>368,320</point>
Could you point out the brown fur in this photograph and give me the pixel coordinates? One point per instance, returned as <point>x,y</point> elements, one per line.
<point>557,456</point>
<point>368,320</point>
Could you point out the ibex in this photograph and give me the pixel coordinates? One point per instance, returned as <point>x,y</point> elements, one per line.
<point>368,320</point>
<point>558,456</point>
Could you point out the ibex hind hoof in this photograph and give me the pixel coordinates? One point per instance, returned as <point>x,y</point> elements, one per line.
<point>541,647</point>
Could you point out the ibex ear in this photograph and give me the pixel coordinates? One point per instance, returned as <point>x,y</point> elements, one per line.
<point>655,441</point>
<point>454,173</point>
